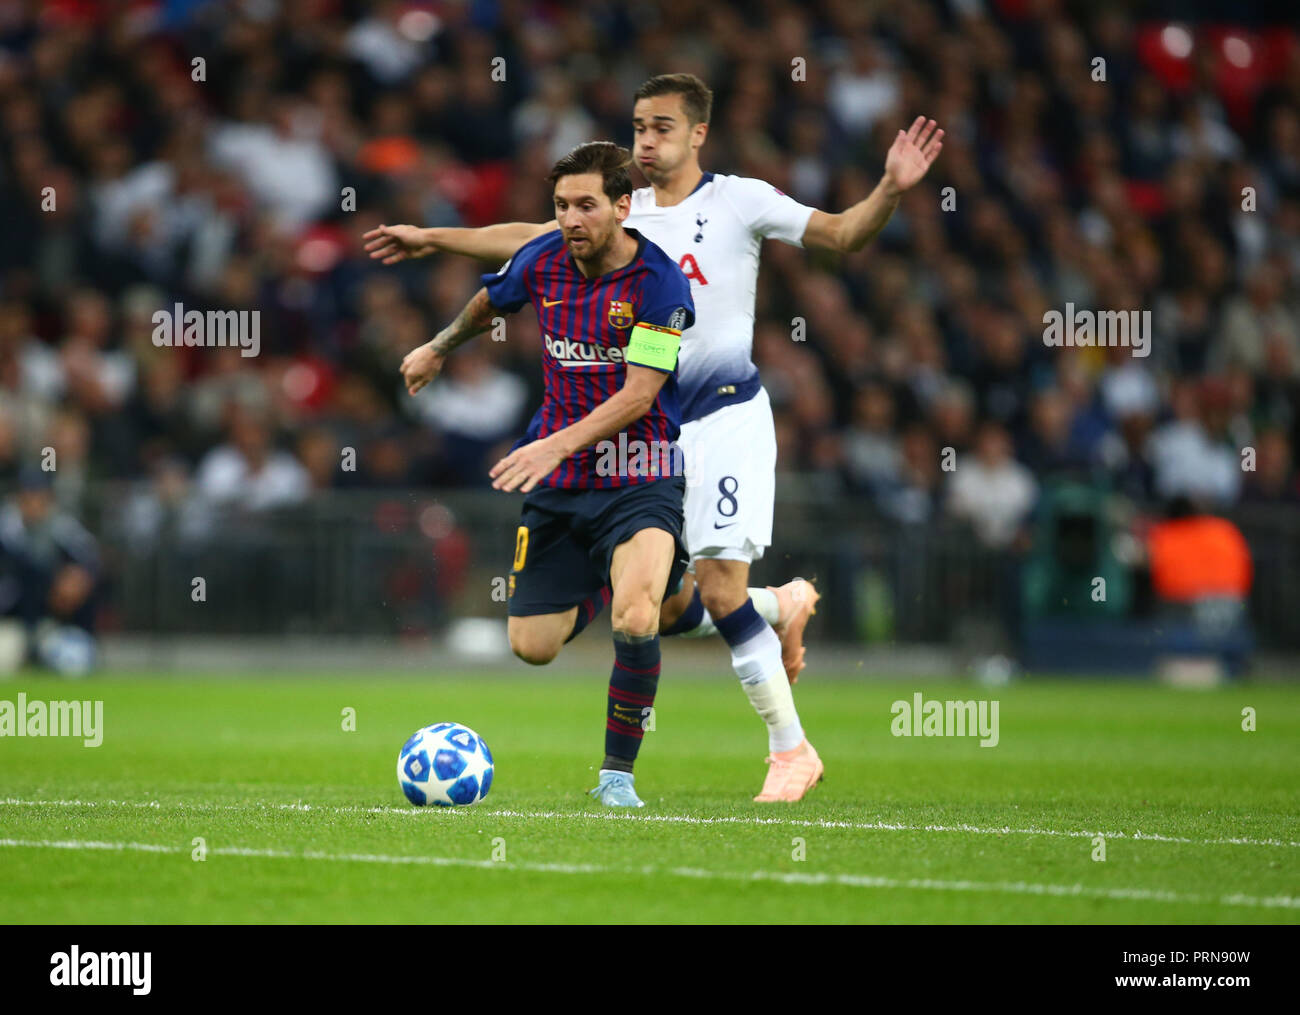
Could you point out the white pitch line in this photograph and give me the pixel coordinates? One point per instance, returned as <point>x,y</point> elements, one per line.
<point>777,877</point>
<point>684,819</point>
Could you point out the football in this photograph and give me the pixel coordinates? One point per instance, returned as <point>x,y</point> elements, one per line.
<point>446,764</point>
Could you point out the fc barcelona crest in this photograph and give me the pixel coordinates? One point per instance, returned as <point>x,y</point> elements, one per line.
<point>620,313</point>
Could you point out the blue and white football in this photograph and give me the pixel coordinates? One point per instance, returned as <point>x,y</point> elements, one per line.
<point>447,764</point>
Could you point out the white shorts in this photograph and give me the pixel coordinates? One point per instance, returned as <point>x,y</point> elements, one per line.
<point>730,460</point>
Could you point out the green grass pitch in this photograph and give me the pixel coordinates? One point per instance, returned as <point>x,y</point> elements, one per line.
<point>303,821</point>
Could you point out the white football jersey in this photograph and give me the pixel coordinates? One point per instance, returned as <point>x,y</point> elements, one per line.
<point>715,235</point>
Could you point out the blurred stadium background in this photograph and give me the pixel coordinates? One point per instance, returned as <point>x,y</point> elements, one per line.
<point>314,120</point>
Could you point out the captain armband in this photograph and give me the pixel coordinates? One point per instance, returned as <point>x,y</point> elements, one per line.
<point>653,346</point>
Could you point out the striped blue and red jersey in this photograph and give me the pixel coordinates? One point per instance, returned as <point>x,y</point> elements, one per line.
<point>586,324</point>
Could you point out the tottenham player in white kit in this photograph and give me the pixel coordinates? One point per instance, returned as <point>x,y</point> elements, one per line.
<point>714,226</point>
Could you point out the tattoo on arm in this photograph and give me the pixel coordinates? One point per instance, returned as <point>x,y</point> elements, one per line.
<point>471,321</point>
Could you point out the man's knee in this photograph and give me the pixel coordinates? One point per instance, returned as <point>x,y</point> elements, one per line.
<point>723,590</point>
<point>535,647</point>
<point>638,617</point>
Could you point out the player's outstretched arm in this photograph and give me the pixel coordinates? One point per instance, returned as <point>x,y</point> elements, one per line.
<point>909,159</point>
<point>423,363</point>
<point>525,467</point>
<point>392,244</point>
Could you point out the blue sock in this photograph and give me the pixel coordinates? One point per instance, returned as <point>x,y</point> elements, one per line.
<point>632,687</point>
<point>690,618</point>
<point>741,624</point>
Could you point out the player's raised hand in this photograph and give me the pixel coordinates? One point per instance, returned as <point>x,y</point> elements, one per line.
<point>420,366</point>
<point>392,244</point>
<point>912,152</point>
<point>527,466</point>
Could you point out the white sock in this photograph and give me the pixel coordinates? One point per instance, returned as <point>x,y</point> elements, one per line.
<point>757,663</point>
<point>764,602</point>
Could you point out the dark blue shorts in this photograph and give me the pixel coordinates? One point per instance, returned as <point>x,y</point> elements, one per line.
<point>566,540</point>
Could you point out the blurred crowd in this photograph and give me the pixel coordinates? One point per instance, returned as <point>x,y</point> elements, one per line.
<point>230,156</point>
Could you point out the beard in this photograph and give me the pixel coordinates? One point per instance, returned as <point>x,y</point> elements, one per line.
<point>592,253</point>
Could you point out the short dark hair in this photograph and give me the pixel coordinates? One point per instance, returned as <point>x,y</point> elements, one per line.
<point>696,97</point>
<point>603,157</point>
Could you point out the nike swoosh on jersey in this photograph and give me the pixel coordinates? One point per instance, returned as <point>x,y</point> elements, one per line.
<point>550,303</point>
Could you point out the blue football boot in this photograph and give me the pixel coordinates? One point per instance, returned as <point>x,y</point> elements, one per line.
<point>616,790</point>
